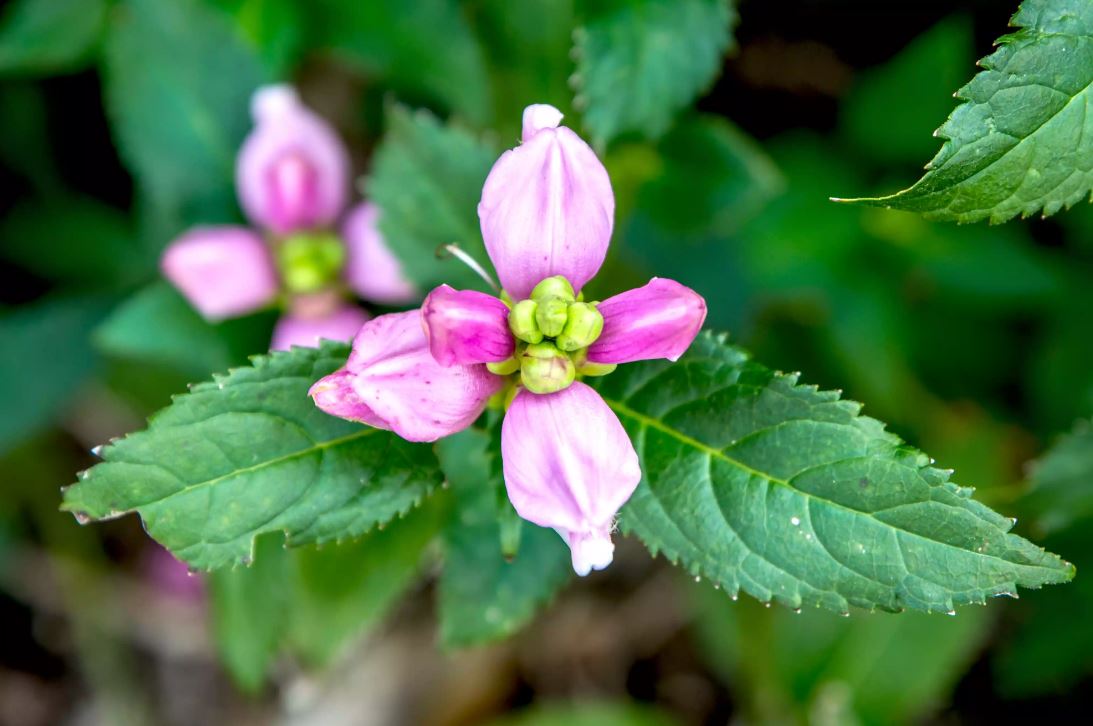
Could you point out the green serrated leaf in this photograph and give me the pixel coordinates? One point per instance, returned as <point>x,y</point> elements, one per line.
<point>1023,141</point>
<point>483,596</point>
<point>177,116</point>
<point>640,61</point>
<point>419,46</point>
<point>1062,481</point>
<point>427,178</point>
<point>49,36</point>
<point>784,491</point>
<point>250,453</point>
<point>591,713</point>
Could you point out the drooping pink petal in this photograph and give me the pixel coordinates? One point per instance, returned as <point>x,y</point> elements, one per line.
<point>342,323</point>
<point>547,207</point>
<point>392,381</point>
<point>372,270</point>
<point>292,172</point>
<point>466,327</point>
<point>658,320</point>
<point>223,271</point>
<point>569,464</point>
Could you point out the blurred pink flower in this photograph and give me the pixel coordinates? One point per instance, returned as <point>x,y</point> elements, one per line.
<point>292,179</point>
<point>547,213</point>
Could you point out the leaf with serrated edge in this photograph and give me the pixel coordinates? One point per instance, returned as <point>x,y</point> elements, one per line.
<point>784,491</point>
<point>1023,141</point>
<point>639,63</point>
<point>1062,481</point>
<point>250,453</point>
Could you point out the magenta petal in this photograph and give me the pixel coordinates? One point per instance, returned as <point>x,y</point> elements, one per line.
<point>547,207</point>
<point>292,172</point>
<point>372,270</point>
<point>466,326</point>
<point>223,271</point>
<point>658,320</point>
<point>343,323</point>
<point>569,464</point>
<point>392,381</point>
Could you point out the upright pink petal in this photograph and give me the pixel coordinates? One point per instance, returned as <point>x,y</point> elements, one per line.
<point>372,270</point>
<point>223,271</point>
<point>466,326</point>
<point>342,323</point>
<point>658,320</point>
<point>392,381</point>
<point>569,465</point>
<point>292,172</point>
<point>547,207</point>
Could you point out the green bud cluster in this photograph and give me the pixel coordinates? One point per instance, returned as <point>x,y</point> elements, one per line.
<point>309,262</point>
<point>554,328</point>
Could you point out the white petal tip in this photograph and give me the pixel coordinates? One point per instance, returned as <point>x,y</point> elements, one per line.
<point>592,552</point>
<point>540,116</point>
<point>272,101</point>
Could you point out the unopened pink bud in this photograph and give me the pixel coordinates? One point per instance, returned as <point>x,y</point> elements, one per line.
<point>392,381</point>
<point>569,465</point>
<point>292,173</point>
<point>659,320</point>
<point>547,207</point>
<point>223,271</point>
<point>466,326</point>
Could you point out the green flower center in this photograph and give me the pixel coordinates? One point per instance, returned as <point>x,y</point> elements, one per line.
<point>310,261</point>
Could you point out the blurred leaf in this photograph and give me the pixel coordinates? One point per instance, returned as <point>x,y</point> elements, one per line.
<point>341,590</point>
<point>422,46</point>
<point>274,28</point>
<point>1023,141</point>
<point>892,109</point>
<point>250,611</point>
<point>1059,377</point>
<point>74,239</point>
<point>483,597</point>
<point>427,179</point>
<point>47,357</point>
<point>586,714</point>
<point>25,146</point>
<point>870,668</point>
<point>640,61</point>
<point>157,324</point>
<point>1062,481</point>
<point>763,484</point>
<point>49,36</point>
<point>250,453</point>
<point>529,43</point>
<point>178,81</point>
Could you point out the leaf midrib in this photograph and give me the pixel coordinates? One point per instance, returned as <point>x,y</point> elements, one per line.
<point>650,422</point>
<point>316,446</point>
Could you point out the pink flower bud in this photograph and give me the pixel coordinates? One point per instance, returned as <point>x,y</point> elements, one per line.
<point>343,323</point>
<point>547,207</point>
<point>391,381</point>
<point>292,172</point>
<point>372,270</point>
<point>569,465</point>
<point>659,320</point>
<point>466,326</point>
<point>223,271</point>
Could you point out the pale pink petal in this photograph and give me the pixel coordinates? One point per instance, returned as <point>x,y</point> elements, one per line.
<point>223,271</point>
<point>343,324</point>
<point>292,172</point>
<point>659,320</point>
<point>569,464</point>
<point>372,270</point>
<point>466,326</point>
<point>392,381</point>
<point>547,207</point>
<point>170,576</point>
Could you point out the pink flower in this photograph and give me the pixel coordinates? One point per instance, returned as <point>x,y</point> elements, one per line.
<point>292,178</point>
<point>546,214</point>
